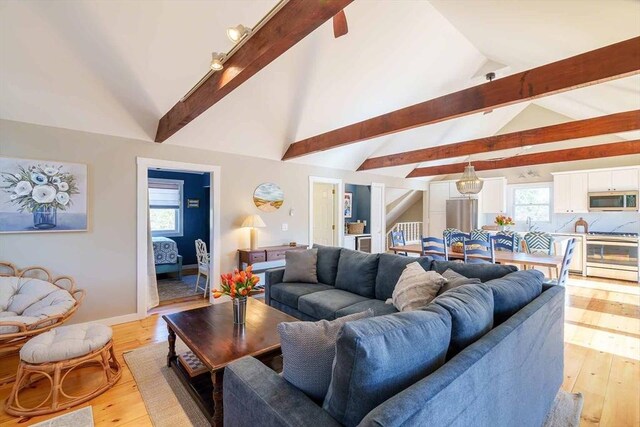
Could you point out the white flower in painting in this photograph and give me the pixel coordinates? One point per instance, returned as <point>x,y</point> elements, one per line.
<point>43,193</point>
<point>38,178</point>
<point>17,175</point>
<point>13,196</point>
<point>63,186</point>
<point>55,180</point>
<point>23,188</point>
<point>50,170</point>
<point>62,198</point>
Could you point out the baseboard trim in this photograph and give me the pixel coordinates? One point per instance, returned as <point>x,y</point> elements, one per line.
<point>111,321</point>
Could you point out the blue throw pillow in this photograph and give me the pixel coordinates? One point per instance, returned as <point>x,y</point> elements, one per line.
<point>390,268</point>
<point>357,272</point>
<point>327,266</point>
<point>471,310</point>
<point>484,272</point>
<point>377,358</point>
<point>512,292</point>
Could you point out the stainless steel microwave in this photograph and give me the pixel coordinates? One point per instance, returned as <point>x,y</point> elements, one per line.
<point>613,201</point>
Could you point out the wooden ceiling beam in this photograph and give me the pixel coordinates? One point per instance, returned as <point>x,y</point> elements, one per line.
<point>290,24</point>
<point>613,149</point>
<point>604,125</point>
<point>611,62</point>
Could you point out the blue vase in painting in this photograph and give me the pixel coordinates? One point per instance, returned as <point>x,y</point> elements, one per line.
<point>45,217</point>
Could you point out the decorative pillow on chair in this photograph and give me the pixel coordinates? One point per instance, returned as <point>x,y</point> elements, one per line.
<point>455,279</point>
<point>301,266</point>
<point>416,287</point>
<point>308,350</point>
<point>379,357</point>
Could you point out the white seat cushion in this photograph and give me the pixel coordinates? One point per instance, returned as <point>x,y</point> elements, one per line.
<point>66,342</point>
<point>9,316</point>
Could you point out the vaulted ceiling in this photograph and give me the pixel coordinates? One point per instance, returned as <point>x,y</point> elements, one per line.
<point>116,67</point>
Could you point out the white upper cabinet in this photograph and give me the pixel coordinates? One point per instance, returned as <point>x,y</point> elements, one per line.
<point>493,198</point>
<point>438,196</point>
<point>570,193</point>
<point>453,191</point>
<point>613,180</point>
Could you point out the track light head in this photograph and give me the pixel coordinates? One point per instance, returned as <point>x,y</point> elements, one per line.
<point>237,33</point>
<point>217,60</point>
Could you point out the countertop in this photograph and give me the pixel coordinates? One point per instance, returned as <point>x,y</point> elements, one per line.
<point>358,235</point>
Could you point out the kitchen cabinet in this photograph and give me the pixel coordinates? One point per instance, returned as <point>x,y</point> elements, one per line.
<point>349,242</point>
<point>437,223</point>
<point>438,196</point>
<point>493,197</point>
<point>453,191</point>
<point>613,180</point>
<point>570,193</point>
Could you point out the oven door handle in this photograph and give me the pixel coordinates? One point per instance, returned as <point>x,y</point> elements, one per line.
<point>608,243</point>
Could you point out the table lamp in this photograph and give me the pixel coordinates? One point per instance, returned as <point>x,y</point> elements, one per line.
<point>253,222</point>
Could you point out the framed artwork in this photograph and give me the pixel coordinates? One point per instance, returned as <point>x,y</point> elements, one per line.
<point>39,196</point>
<point>268,197</point>
<point>348,204</point>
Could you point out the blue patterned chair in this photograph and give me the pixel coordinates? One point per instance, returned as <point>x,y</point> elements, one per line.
<point>538,242</point>
<point>453,235</point>
<point>479,234</point>
<point>473,249</point>
<point>563,274</point>
<point>435,248</point>
<point>507,242</point>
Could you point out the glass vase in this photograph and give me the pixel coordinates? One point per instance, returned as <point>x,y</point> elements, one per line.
<point>240,310</point>
<point>45,217</point>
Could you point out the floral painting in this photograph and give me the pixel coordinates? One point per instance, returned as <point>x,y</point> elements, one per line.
<point>40,196</point>
<point>348,204</point>
<point>268,197</point>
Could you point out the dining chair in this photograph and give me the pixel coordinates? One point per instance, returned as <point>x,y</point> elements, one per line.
<point>563,275</point>
<point>517,238</point>
<point>479,234</point>
<point>503,242</point>
<point>453,235</point>
<point>477,249</point>
<point>202,257</point>
<point>435,248</point>
<point>539,242</point>
<point>397,239</point>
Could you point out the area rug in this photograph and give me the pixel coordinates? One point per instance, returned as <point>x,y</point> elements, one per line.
<point>169,404</point>
<point>174,288</point>
<point>83,417</point>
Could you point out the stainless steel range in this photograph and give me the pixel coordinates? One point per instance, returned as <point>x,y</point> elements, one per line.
<point>613,255</point>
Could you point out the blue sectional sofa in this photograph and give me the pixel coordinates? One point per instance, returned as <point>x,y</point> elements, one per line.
<point>505,375</point>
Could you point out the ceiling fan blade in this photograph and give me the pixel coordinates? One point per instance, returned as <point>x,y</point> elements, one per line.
<point>340,27</point>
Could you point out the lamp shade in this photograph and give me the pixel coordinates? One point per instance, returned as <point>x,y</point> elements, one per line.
<point>253,221</point>
<point>469,183</point>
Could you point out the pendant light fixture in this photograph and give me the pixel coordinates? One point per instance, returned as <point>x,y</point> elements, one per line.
<point>469,183</point>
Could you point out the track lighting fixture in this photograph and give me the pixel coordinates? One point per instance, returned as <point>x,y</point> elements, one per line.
<point>237,33</point>
<point>216,61</point>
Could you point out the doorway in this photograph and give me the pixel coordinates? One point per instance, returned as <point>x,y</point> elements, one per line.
<point>325,211</point>
<point>165,205</point>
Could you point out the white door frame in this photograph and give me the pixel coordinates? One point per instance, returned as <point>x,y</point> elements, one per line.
<point>339,206</point>
<point>383,217</point>
<point>144,164</point>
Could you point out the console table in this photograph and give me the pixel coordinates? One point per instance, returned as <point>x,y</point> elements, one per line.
<point>267,253</point>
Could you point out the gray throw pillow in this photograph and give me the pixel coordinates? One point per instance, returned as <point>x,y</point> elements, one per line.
<point>308,350</point>
<point>455,279</point>
<point>416,287</point>
<point>301,266</point>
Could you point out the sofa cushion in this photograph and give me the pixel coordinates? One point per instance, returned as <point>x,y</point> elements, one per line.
<point>390,267</point>
<point>301,266</point>
<point>378,307</point>
<point>324,304</point>
<point>416,287</point>
<point>471,310</point>
<point>454,280</point>
<point>377,358</point>
<point>484,272</point>
<point>513,291</point>
<point>357,272</point>
<point>288,293</point>
<point>308,350</point>
<point>328,257</point>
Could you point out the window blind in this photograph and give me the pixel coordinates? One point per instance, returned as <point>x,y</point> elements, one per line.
<point>165,194</point>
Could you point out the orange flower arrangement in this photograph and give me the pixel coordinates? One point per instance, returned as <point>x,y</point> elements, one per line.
<point>504,220</point>
<point>238,284</point>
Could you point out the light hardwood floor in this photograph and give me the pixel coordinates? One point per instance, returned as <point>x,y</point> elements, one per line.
<point>602,358</point>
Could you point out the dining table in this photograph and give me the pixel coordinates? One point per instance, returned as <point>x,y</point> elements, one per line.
<point>501,257</point>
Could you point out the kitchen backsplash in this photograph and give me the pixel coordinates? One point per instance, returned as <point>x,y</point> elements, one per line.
<point>628,222</point>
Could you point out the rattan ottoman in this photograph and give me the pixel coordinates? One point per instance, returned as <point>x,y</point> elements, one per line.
<point>53,355</point>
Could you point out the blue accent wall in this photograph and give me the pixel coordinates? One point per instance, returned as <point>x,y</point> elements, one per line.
<point>361,204</point>
<point>196,220</point>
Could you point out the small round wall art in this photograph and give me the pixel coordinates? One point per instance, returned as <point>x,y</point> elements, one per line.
<point>268,197</point>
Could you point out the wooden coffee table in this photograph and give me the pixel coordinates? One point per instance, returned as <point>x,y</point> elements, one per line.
<point>211,335</point>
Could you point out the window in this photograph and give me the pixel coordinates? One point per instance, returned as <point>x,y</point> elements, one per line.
<point>532,201</point>
<point>165,207</point>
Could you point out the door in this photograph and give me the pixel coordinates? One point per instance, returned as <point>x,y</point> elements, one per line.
<point>324,217</point>
<point>378,218</point>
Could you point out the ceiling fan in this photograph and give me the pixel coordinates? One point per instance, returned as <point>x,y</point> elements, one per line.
<point>340,27</point>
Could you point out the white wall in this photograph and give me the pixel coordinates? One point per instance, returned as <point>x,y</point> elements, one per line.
<point>103,260</point>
